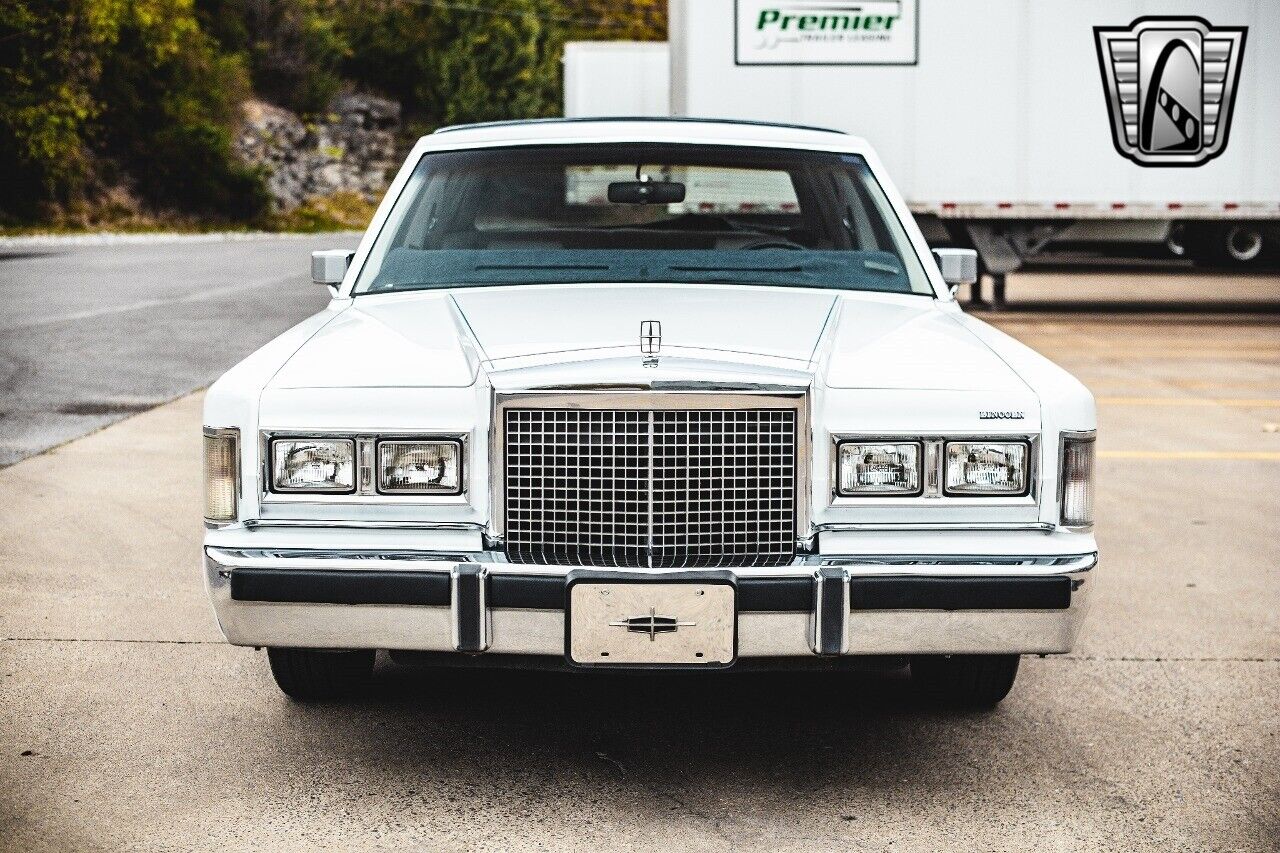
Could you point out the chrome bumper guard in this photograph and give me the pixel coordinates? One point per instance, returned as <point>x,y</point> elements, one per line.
<point>827,605</point>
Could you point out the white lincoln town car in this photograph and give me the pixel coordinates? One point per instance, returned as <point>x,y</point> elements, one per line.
<point>628,393</point>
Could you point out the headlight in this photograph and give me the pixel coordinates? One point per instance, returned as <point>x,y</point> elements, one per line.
<point>1077,480</point>
<point>313,465</point>
<point>221,474</point>
<point>986,468</point>
<point>879,469</point>
<point>420,467</point>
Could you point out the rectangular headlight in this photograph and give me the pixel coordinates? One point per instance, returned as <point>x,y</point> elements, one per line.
<point>315,465</point>
<point>1077,480</point>
<point>221,474</point>
<point>420,467</point>
<point>879,469</point>
<point>987,468</point>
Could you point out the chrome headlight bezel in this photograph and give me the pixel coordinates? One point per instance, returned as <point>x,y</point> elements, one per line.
<point>274,465</point>
<point>1027,469</point>
<point>842,443</point>
<point>366,491</point>
<point>934,470</point>
<point>384,443</point>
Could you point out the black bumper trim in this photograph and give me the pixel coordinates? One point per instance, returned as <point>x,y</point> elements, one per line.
<point>338,586</point>
<point>831,611</point>
<point>470,610</point>
<point>547,592</point>
<point>534,592</point>
<point>1052,592</point>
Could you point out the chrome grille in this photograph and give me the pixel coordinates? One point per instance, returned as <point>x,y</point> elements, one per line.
<point>657,488</point>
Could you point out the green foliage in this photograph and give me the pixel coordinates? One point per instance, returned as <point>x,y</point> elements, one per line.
<point>169,100</point>
<point>47,70</point>
<point>169,103</point>
<point>292,47</point>
<point>100,97</point>
<point>343,211</point>
<point>454,62</point>
<point>636,20</point>
<point>93,92</point>
<point>449,62</point>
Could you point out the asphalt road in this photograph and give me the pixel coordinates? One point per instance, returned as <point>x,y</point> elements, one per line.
<point>90,334</point>
<point>125,722</point>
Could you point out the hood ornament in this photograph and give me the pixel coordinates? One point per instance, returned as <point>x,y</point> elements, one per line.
<point>650,341</point>
<point>652,624</point>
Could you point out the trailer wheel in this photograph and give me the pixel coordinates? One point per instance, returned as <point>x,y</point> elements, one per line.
<point>1243,243</point>
<point>1218,243</point>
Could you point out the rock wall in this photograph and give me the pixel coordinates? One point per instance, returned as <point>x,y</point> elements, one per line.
<point>350,149</point>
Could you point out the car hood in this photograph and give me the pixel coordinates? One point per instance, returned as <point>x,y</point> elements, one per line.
<point>842,339</point>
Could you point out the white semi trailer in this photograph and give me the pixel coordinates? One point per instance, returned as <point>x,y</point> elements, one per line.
<point>1010,126</point>
<point>617,78</point>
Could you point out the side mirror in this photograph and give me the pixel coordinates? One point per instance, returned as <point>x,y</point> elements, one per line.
<point>958,266</point>
<point>329,266</point>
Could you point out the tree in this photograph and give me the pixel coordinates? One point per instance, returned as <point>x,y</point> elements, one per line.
<point>450,61</point>
<point>145,94</point>
<point>98,91</point>
<point>48,68</point>
<point>293,48</point>
<point>170,100</point>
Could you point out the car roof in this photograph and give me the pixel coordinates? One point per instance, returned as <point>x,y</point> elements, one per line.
<point>641,129</point>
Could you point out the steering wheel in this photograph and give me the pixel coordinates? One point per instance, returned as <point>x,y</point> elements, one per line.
<point>775,244</point>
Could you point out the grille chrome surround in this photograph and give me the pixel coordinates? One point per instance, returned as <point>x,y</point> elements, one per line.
<point>651,480</point>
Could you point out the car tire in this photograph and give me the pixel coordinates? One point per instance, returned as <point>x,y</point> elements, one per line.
<point>964,681</point>
<point>313,675</point>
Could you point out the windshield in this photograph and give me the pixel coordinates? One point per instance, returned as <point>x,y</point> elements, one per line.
<point>639,213</point>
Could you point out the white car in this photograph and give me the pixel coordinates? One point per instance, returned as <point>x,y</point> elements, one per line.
<point>648,394</point>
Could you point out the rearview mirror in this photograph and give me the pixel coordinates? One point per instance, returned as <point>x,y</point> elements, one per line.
<point>646,192</point>
<point>329,266</point>
<point>958,266</point>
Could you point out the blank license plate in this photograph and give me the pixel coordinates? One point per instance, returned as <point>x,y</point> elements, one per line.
<point>651,623</point>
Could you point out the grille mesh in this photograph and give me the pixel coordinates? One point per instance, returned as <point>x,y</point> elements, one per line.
<point>662,488</point>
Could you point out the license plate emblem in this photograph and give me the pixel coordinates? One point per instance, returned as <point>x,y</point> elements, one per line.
<point>619,623</point>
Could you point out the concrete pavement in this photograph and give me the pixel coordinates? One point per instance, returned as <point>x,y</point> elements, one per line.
<point>125,723</point>
<point>95,330</point>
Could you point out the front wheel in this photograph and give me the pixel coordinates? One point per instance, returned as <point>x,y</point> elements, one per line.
<point>964,681</point>
<point>313,675</point>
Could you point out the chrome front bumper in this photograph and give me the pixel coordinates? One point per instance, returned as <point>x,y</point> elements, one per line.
<point>473,602</point>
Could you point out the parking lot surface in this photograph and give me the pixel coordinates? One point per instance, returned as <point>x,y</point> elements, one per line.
<point>96,330</point>
<point>126,723</point>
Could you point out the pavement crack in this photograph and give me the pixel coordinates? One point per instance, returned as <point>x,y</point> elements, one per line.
<point>604,756</point>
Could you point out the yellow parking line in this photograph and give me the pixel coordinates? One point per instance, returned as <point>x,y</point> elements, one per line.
<point>1160,347</point>
<point>1271,385</point>
<point>1088,358</point>
<point>1244,402</point>
<point>1258,455</point>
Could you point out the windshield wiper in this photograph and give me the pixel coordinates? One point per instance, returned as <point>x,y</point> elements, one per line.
<point>735,269</point>
<point>590,267</point>
<point>884,268</point>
